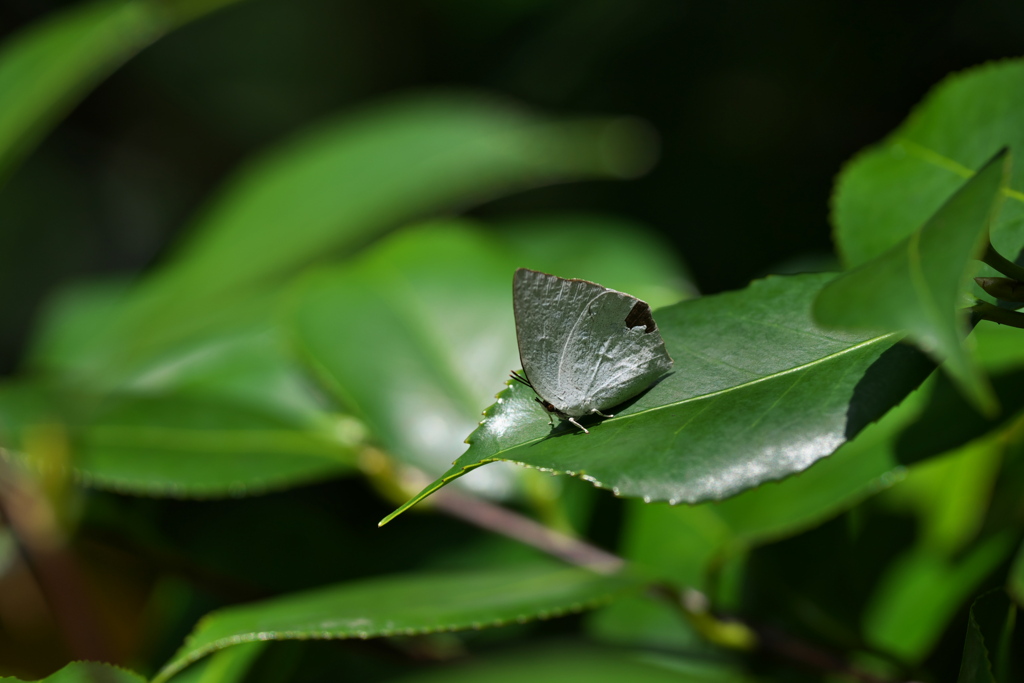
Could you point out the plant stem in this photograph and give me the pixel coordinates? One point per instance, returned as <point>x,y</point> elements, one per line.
<point>1003,265</point>
<point>42,544</point>
<point>1002,316</point>
<point>723,630</point>
<point>513,525</point>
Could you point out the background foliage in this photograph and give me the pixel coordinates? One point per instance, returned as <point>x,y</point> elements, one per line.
<point>257,257</point>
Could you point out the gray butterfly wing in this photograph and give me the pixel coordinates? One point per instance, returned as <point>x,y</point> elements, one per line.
<point>584,346</point>
<point>546,310</point>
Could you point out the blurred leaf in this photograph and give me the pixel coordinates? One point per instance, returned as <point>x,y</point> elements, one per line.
<point>415,335</point>
<point>986,647</point>
<point>758,393</point>
<point>998,348</point>
<point>1016,579</point>
<point>917,286</point>
<point>619,253</point>
<point>921,592</point>
<point>70,321</point>
<point>337,187</point>
<point>87,672</point>
<point>243,359</point>
<point>225,666</point>
<point>645,621</point>
<point>890,190</point>
<point>948,421</point>
<point>705,535</point>
<point>950,495</point>
<point>578,665</point>
<point>48,67</point>
<point>194,447</point>
<point>22,403</point>
<point>410,604</point>
<point>691,544</point>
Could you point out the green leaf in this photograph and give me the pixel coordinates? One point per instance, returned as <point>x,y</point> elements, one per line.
<point>197,447</point>
<point>338,186</point>
<point>415,335</point>
<point>758,392</point>
<point>48,67</point>
<point>225,666</point>
<point>950,495</point>
<point>890,190</point>
<point>242,360</point>
<point>917,285</point>
<point>87,672</point>
<point>949,421</point>
<point>619,253</point>
<point>990,626</point>
<point>921,592</point>
<point>411,604</point>
<point>1016,579</point>
<point>580,665</point>
<point>708,536</point>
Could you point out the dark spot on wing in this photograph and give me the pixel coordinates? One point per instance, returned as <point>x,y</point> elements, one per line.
<point>640,316</point>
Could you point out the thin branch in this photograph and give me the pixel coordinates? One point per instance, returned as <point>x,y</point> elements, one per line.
<point>692,605</point>
<point>41,542</point>
<point>1003,265</point>
<point>1002,316</point>
<point>513,525</point>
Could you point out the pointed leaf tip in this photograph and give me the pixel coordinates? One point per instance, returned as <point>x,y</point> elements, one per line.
<point>916,286</point>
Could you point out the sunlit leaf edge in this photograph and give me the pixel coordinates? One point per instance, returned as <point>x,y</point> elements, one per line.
<point>624,584</point>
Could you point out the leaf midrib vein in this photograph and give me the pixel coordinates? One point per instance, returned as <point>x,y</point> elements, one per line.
<point>497,454</point>
<point>939,160</point>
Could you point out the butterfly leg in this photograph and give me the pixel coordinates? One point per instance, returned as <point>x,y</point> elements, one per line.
<point>585,431</point>
<point>595,411</point>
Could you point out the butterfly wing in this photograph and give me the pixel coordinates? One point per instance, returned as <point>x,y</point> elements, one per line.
<point>584,346</point>
<point>546,310</point>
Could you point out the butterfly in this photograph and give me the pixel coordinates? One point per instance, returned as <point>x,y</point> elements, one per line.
<point>584,348</point>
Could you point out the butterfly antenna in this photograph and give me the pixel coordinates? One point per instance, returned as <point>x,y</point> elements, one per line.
<point>514,375</point>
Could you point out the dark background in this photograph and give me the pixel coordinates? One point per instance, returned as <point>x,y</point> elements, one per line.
<point>758,104</point>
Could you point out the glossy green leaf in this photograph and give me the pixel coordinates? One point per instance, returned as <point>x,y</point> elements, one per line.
<point>690,545</point>
<point>339,186</point>
<point>705,535</point>
<point>415,335</point>
<point>570,664</point>
<point>169,445</point>
<point>48,67</point>
<point>1016,578</point>
<point>408,604</point>
<point>917,286</point>
<point>87,672</point>
<point>758,393</point>
<point>990,626</point>
<point>890,190</point>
